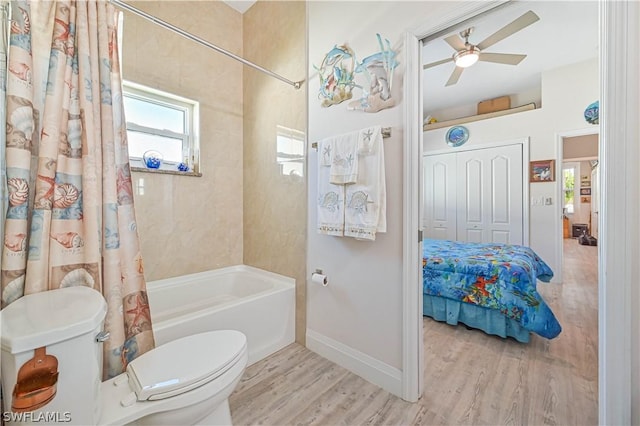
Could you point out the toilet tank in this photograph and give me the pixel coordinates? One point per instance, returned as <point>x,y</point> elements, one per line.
<point>65,322</point>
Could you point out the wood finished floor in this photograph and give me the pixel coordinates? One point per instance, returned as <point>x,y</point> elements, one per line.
<point>470,377</point>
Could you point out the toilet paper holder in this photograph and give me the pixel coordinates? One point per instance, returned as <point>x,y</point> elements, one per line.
<point>318,277</point>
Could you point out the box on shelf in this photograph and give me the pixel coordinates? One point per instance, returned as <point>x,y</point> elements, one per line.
<point>493,105</point>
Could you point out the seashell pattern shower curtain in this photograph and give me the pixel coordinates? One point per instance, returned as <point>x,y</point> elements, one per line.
<point>70,219</point>
<point>4,28</point>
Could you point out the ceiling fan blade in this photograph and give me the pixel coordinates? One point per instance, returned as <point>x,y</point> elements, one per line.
<point>504,32</point>
<point>433,64</point>
<point>455,42</point>
<point>501,58</point>
<point>455,75</point>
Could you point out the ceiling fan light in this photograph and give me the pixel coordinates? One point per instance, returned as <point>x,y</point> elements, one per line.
<point>466,58</point>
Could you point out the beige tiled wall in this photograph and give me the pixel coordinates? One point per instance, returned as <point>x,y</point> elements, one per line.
<point>242,210</point>
<point>191,224</point>
<point>275,205</point>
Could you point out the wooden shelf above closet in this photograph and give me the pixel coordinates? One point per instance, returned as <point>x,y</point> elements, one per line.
<point>462,120</point>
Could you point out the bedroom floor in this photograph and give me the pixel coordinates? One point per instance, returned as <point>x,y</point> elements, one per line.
<point>470,377</point>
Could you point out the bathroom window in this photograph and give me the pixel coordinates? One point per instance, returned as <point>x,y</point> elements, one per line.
<point>290,151</point>
<point>162,130</point>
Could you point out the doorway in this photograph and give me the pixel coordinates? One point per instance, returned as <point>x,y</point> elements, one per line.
<point>618,176</point>
<point>545,197</point>
<point>579,196</point>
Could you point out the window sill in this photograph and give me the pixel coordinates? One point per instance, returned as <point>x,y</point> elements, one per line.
<point>165,172</point>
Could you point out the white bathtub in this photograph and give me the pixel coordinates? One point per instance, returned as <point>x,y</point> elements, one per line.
<point>258,303</point>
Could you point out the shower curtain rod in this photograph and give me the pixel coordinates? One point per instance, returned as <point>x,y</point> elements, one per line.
<point>135,11</point>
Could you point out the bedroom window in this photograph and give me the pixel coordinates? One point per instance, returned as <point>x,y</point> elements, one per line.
<point>164,127</point>
<point>568,189</point>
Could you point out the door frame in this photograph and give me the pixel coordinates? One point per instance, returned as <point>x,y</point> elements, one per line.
<point>412,340</point>
<point>620,185</point>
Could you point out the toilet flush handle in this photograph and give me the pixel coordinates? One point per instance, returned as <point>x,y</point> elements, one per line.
<point>103,336</point>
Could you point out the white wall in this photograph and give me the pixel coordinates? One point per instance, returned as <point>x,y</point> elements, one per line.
<point>566,92</point>
<point>359,312</point>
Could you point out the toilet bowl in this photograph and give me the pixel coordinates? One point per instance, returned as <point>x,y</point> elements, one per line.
<point>185,381</point>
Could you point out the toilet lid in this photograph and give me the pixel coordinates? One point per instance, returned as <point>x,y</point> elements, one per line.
<point>184,364</point>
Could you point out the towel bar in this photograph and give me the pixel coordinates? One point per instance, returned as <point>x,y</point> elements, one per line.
<point>386,132</point>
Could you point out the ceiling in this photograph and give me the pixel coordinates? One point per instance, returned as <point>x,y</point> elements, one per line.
<point>566,33</point>
<point>240,5</point>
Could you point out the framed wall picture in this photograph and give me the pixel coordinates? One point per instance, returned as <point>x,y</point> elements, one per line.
<point>585,191</point>
<point>585,199</point>
<point>542,171</point>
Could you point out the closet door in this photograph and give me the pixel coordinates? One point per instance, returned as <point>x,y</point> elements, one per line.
<point>439,220</point>
<point>489,195</point>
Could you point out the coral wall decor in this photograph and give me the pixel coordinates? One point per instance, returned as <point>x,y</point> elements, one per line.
<point>336,75</point>
<point>378,71</point>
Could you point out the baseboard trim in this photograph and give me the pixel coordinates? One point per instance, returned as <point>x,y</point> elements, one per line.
<point>375,371</point>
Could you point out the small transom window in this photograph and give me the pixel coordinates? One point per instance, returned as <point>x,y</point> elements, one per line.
<point>290,151</point>
<point>161,129</point>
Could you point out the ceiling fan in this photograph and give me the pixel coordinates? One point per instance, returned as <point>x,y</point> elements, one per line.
<point>468,54</point>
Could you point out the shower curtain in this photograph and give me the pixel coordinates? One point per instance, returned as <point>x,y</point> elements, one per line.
<point>70,218</point>
<point>4,28</point>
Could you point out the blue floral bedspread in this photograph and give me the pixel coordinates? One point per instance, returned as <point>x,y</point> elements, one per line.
<point>495,276</point>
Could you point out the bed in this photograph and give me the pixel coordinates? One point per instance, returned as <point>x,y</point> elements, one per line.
<point>487,286</point>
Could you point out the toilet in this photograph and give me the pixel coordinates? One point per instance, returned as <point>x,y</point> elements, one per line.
<point>53,339</point>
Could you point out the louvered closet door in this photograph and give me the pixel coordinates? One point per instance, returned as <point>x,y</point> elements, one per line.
<point>489,195</point>
<point>440,197</point>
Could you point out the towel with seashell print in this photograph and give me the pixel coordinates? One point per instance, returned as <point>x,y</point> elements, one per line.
<point>357,208</point>
<point>330,207</point>
<point>365,201</point>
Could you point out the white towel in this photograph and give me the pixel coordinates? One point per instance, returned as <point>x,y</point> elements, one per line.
<point>330,197</point>
<point>344,158</point>
<point>365,201</point>
<point>325,152</point>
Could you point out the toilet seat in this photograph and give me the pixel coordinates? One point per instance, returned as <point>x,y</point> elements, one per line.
<point>184,364</point>
<point>123,400</point>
